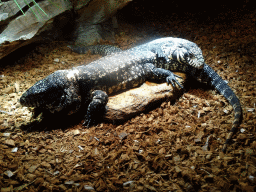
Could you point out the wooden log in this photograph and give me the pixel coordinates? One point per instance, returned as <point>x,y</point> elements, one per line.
<point>128,104</point>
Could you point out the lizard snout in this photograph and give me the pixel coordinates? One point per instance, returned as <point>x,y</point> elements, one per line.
<point>22,100</point>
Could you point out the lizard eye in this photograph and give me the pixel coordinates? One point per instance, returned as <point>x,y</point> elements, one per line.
<point>188,56</point>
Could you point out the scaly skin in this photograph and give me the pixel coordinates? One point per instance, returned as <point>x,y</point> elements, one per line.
<point>89,85</point>
<point>96,49</point>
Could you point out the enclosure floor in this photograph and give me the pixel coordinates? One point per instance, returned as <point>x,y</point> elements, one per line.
<point>161,150</point>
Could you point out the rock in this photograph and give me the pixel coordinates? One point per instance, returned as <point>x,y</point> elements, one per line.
<point>55,23</point>
<point>88,29</point>
<point>27,27</point>
<point>87,34</point>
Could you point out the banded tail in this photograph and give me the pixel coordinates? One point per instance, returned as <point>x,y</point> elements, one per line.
<point>96,49</point>
<point>219,84</point>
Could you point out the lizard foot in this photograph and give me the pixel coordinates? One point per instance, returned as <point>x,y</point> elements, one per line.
<point>171,79</point>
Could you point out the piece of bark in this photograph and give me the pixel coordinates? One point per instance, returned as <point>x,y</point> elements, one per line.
<point>130,103</point>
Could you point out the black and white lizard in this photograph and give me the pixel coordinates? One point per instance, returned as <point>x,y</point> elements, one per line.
<point>68,91</point>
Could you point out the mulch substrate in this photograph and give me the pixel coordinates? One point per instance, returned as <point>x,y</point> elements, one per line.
<point>174,147</point>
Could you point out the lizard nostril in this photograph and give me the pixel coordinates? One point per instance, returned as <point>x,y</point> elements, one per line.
<point>22,100</point>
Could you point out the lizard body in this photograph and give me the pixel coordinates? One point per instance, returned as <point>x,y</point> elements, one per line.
<point>89,85</point>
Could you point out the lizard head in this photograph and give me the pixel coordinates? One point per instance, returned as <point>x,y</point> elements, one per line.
<point>185,52</point>
<point>47,93</point>
<point>194,56</point>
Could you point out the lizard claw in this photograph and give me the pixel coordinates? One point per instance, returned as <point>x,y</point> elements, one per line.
<point>88,122</point>
<point>171,79</point>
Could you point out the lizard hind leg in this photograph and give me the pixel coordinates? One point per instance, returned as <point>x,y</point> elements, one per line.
<point>97,107</point>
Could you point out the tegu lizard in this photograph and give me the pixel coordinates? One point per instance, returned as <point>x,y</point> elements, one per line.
<point>87,87</point>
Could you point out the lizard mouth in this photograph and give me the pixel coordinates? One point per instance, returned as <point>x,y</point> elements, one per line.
<point>27,101</point>
<point>196,62</point>
<point>24,101</point>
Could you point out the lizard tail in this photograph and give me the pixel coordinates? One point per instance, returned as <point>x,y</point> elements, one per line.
<point>79,50</point>
<point>96,49</point>
<point>219,84</point>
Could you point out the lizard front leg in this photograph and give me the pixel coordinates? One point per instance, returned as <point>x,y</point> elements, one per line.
<point>161,73</point>
<point>96,108</point>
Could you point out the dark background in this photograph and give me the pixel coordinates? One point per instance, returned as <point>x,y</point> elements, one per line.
<point>144,10</point>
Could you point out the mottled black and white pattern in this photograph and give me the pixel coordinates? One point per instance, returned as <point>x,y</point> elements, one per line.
<point>96,49</point>
<point>89,85</point>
